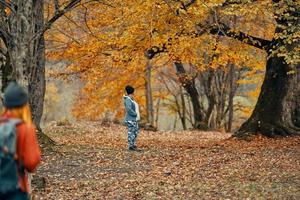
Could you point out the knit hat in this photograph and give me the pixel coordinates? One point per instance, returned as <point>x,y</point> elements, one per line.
<point>14,95</point>
<point>129,89</point>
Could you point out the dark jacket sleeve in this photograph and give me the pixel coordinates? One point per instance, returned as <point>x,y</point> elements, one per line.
<point>128,107</point>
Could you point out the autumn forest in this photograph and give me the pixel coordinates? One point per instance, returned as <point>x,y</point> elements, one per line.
<point>217,83</point>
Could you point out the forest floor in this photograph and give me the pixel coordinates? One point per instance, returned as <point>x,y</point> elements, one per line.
<point>91,161</point>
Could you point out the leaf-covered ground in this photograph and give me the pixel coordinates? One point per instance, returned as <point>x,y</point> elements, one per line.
<point>91,161</point>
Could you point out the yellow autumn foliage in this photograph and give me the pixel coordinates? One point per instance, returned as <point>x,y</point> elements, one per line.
<point>106,47</point>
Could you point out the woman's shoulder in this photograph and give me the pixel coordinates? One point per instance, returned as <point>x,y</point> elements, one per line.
<point>24,128</point>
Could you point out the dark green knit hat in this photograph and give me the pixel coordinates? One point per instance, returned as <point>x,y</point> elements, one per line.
<point>14,95</point>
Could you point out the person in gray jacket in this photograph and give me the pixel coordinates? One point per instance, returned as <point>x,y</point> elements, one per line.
<point>132,117</point>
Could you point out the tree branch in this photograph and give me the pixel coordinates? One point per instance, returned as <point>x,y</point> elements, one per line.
<point>60,13</point>
<point>150,53</point>
<point>238,35</point>
<point>57,15</point>
<point>216,28</point>
<point>184,6</point>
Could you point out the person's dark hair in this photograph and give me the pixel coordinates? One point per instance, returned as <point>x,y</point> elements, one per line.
<point>129,89</point>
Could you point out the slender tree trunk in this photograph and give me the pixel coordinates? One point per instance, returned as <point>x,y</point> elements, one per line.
<point>149,100</point>
<point>231,96</point>
<point>208,84</point>
<point>183,118</point>
<point>175,123</point>
<point>221,81</point>
<point>190,113</point>
<point>180,111</point>
<point>189,86</point>
<point>157,112</point>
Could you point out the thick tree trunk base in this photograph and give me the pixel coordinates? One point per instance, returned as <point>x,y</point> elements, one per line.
<point>252,128</point>
<point>276,113</point>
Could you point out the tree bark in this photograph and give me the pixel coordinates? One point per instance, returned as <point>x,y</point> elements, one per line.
<point>6,72</point>
<point>21,31</point>
<point>278,101</point>
<point>207,83</point>
<point>277,110</point>
<point>149,99</point>
<point>157,112</point>
<point>26,56</point>
<point>231,96</point>
<point>37,83</point>
<point>183,119</point>
<point>189,86</point>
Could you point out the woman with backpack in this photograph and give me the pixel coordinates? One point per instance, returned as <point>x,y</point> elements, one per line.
<point>19,149</point>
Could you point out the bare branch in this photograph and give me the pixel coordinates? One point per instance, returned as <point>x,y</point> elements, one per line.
<point>72,4</point>
<point>68,36</point>
<point>60,13</point>
<point>86,22</point>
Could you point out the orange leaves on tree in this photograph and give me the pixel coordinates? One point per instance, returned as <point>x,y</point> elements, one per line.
<point>106,47</point>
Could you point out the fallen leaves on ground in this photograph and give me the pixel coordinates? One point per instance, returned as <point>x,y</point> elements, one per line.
<point>91,161</point>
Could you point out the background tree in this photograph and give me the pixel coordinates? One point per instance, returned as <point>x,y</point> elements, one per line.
<point>282,65</point>
<point>184,34</point>
<point>23,47</point>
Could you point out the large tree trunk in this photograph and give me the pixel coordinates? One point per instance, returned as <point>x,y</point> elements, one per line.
<point>21,28</point>
<point>27,55</point>
<point>22,32</point>
<point>25,61</point>
<point>37,83</point>
<point>277,110</point>
<point>189,86</point>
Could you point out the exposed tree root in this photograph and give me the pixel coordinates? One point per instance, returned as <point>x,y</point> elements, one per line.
<point>254,127</point>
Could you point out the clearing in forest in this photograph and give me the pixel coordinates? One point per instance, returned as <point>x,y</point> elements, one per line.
<point>91,161</point>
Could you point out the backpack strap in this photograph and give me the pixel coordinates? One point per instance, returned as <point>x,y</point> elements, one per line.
<point>8,135</point>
